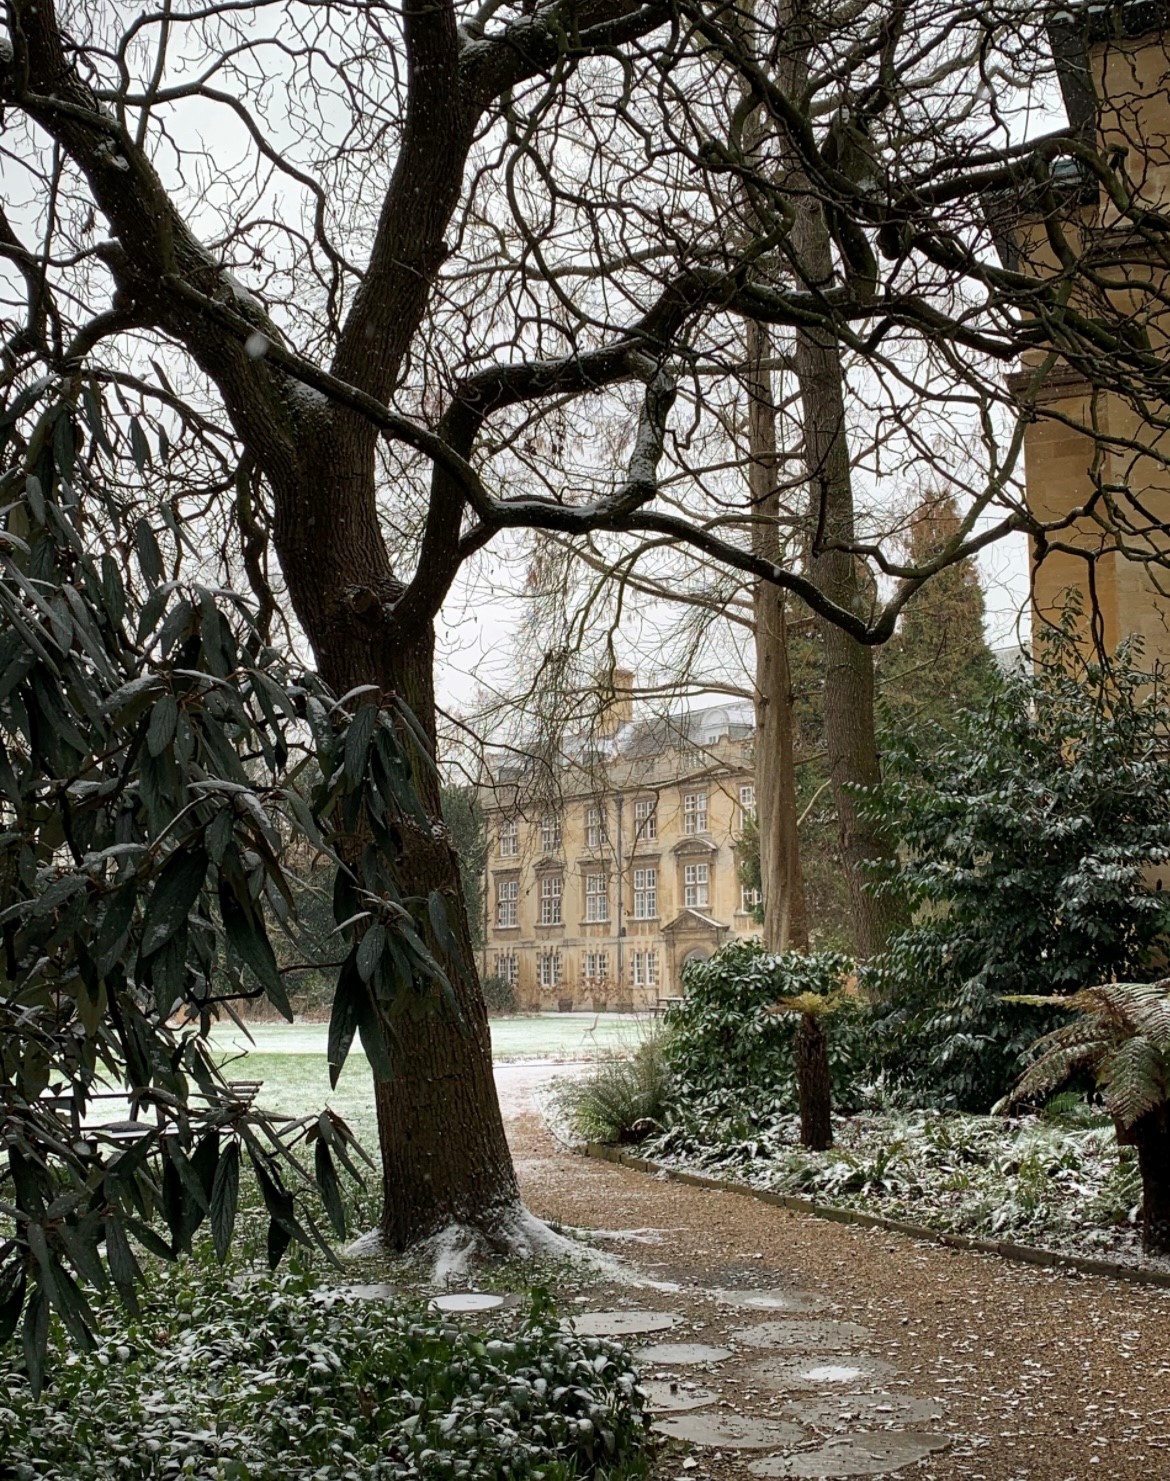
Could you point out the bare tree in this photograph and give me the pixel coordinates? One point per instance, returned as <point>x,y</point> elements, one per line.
<point>778,826</point>
<point>471,238</point>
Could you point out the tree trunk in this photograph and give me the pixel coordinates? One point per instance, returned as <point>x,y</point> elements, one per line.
<point>813,1086</point>
<point>1151,1136</point>
<point>850,736</point>
<point>445,1159</point>
<point>781,874</point>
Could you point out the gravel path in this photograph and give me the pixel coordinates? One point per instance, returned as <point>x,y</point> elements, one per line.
<point>1028,1375</point>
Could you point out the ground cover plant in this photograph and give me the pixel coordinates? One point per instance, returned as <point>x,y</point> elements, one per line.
<point>238,1374</point>
<point>625,1097</point>
<point>1058,1180</point>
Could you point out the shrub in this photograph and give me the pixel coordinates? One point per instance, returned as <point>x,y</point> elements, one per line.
<point>723,1038</point>
<point>1026,837</point>
<point>622,1099</point>
<point>499,995</point>
<point>151,748</point>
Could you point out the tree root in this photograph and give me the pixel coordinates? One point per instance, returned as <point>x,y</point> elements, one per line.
<point>451,1255</point>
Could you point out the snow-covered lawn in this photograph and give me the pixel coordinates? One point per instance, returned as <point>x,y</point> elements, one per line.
<point>576,1036</point>
<point>290,1059</point>
<point>1064,1184</point>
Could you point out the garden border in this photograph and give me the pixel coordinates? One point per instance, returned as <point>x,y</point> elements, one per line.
<point>1026,1254</point>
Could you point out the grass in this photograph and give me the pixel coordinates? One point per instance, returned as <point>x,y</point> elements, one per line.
<point>290,1059</point>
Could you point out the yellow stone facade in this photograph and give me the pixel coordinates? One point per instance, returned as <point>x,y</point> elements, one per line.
<point>597,895</point>
<point>1088,449</point>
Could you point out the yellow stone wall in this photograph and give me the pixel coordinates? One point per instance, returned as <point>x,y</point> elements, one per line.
<point>1092,450</point>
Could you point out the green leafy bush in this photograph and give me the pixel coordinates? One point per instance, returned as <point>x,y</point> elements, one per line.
<point>1026,837</point>
<point>240,1376</point>
<point>722,1039</point>
<point>499,995</point>
<point>152,744</point>
<point>623,1098</point>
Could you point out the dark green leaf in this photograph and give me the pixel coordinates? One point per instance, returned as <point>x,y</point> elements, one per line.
<point>343,1019</point>
<point>124,1268</point>
<point>149,555</point>
<point>370,949</point>
<point>437,910</point>
<point>279,1240</point>
<point>173,897</point>
<point>373,1031</point>
<point>224,1196</point>
<point>12,1289</point>
<point>63,450</point>
<point>163,719</point>
<point>357,742</point>
<point>329,1188</point>
<point>36,498</point>
<point>244,928</point>
<point>35,1338</point>
<point>139,447</point>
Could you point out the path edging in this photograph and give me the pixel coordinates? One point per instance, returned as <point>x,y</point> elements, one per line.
<point>1006,1249</point>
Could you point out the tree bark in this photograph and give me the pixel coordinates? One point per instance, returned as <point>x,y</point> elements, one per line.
<point>813,1086</point>
<point>850,733</point>
<point>1151,1136</point>
<point>445,1159</point>
<point>781,874</point>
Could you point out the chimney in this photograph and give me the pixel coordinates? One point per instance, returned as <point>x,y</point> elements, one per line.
<point>616,692</point>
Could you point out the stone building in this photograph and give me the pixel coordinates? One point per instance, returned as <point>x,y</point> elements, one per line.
<point>1091,457</point>
<point>601,885</point>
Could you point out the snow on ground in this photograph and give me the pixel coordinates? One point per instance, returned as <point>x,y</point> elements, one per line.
<point>290,1060</point>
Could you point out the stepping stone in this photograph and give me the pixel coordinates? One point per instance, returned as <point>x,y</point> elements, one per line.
<point>730,1431</point>
<point>840,1370</point>
<point>460,1303</point>
<point>868,1409</point>
<point>618,1323</point>
<point>802,1336</point>
<point>669,1397</point>
<point>774,1300</point>
<point>869,1454</point>
<point>679,1354</point>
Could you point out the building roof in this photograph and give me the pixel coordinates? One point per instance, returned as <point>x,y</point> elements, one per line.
<point>643,737</point>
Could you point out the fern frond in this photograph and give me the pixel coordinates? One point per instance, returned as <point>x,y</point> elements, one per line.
<point>1111,1002</point>
<point>1085,1032</point>
<point>815,1004</point>
<point>1036,999</point>
<point>1151,1011</point>
<point>1133,1080</point>
<point>1054,1069</point>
